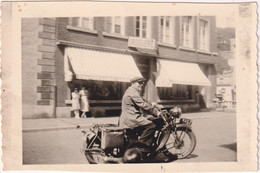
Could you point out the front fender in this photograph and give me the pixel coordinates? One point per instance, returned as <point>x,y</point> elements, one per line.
<point>166,134</point>
<point>164,138</point>
<point>186,126</point>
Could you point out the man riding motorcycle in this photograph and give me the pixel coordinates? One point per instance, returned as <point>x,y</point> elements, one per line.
<point>132,107</point>
<point>138,113</point>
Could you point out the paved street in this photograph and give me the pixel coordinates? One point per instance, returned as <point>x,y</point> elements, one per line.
<point>216,139</point>
<point>215,132</point>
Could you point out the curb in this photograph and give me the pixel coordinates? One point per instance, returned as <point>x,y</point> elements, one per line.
<point>56,128</point>
<point>69,127</point>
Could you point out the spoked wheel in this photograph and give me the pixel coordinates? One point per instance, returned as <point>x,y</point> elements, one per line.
<point>182,144</point>
<point>93,152</point>
<point>95,157</point>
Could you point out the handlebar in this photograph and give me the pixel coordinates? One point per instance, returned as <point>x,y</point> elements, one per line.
<point>163,114</point>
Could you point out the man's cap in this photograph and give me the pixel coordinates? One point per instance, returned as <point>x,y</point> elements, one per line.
<point>137,79</point>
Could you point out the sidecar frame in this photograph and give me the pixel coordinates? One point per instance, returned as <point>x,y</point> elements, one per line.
<point>112,137</point>
<point>106,139</point>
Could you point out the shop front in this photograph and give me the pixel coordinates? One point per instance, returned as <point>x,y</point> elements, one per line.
<point>106,74</point>
<point>179,83</point>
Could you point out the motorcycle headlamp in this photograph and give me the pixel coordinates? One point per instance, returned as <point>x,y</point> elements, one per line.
<point>176,112</point>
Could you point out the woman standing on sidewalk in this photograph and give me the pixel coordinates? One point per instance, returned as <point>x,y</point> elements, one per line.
<point>84,102</point>
<point>75,102</point>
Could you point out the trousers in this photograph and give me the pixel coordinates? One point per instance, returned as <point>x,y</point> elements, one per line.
<point>147,133</point>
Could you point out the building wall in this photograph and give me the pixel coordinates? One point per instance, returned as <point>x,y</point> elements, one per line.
<point>213,37</point>
<point>224,79</point>
<point>74,35</point>
<point>44,90</point>
<point>59,75</point>
<point>211,89</point>
<point>130,26</point>
<point>196,30</point>
<point>177,30</point>
<point>38,47</point>
<point>103,39</point>
<point>30,54</point>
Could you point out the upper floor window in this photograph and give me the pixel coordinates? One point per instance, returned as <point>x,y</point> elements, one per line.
<point>166,29</point>
<point>83,22</point>
<point>187,31</point>
<point>142,27</point>
<point>115,25</point>
<point>203,35</point>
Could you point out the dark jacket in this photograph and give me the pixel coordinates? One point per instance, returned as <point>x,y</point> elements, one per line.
<point>132,107</point>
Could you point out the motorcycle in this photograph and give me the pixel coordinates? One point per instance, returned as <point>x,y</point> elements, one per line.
<point>108,143</point>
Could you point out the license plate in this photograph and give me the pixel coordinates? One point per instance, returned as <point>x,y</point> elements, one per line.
<point>186,121</point>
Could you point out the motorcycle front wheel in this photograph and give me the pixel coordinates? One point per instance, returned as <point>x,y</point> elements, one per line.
<point>182,142</point>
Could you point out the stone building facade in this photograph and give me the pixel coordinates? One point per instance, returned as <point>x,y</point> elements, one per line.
<point>48,45</point>
<point>38,67</point>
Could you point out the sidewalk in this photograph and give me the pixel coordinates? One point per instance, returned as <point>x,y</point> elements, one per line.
<point>34,125</point>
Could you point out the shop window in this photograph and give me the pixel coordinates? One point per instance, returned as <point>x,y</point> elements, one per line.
<point>82,22</point>
<point>166,29</point>
<point>115,25</point>
<point>203,35</point>
<point>187,32</point>
<point>102,90</point>
<point>176,92</point>
<point>142,27</point>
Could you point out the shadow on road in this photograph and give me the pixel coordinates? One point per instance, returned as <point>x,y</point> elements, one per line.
<point>191,156</point>
<point>232,146</point>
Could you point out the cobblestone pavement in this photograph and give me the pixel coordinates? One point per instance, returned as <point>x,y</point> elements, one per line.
<point>216,142</point>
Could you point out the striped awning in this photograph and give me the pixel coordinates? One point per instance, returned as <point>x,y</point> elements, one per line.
<point>176,72</point>
<point>88,64</point>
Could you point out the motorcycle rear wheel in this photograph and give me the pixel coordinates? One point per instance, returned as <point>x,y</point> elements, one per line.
<point>184,145</point>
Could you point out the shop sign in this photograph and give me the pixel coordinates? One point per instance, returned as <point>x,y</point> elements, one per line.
<point>144,43</point>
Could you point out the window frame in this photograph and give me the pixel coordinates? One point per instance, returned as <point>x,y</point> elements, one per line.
<point>162,30</point>
<point>113,24</point>
<point>148,27</point>
<point>206,45</point>
<point>184,34</point>
<point>80,21</point>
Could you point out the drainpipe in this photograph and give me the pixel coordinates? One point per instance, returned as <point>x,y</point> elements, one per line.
<point>55,101</point>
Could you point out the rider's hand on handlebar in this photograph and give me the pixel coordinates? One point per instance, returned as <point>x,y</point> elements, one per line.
<point>161,112</point>
<point>157,106</point>
<point>154,104</point>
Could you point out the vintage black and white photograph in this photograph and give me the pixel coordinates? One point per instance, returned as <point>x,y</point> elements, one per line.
<point>129,89</point>
<point>135,87</point>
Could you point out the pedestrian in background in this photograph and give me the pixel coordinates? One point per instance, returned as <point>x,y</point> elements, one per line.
<point>75,102</point>
<point>84,102</point>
